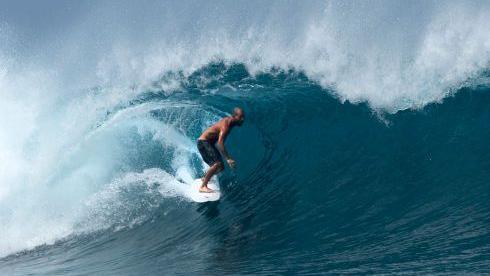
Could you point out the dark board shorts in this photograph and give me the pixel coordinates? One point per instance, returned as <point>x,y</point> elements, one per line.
<point>209,152</point>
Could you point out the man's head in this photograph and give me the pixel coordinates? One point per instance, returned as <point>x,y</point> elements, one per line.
<point>238,116</point>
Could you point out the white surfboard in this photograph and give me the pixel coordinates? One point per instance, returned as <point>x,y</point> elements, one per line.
<point>197,196</point>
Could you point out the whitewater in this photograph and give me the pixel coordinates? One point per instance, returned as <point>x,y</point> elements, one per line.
<point>365,149</point>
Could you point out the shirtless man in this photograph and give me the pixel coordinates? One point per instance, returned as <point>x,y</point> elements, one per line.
<point>212,142</point>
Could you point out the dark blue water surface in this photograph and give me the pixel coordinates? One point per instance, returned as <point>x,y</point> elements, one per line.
<point>321,187</point>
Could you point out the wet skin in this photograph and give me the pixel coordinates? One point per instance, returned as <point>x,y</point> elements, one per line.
<point>216,134</point>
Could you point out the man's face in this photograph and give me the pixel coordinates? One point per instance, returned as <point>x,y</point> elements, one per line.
<point>240,119</point>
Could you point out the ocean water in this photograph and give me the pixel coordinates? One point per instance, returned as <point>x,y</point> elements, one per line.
<point>364,151</point>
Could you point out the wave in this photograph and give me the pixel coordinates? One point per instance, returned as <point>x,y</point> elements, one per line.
<point>365,125</point>
<point>357,172</point>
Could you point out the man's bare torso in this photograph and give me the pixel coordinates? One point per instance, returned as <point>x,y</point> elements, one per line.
<point>212,133</point>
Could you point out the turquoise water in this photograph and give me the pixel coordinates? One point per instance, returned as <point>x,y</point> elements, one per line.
<point>364,151</point>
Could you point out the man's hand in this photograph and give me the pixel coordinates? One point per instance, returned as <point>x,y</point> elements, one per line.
<point>231,163</point>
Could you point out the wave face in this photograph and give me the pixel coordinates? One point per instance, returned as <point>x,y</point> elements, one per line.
<point>365,148</point>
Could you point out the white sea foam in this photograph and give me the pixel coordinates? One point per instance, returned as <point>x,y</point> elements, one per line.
<point>392,55</point>
<point>73,183</point>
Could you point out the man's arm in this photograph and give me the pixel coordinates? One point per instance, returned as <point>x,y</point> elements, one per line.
<point>221,147</point>
<point>221,143</point>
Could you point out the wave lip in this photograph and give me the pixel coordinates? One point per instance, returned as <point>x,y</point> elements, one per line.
<point>372,53</point>
<point>392,55</point>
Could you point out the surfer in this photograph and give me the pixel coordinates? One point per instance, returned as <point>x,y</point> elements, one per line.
<point>212,142</point>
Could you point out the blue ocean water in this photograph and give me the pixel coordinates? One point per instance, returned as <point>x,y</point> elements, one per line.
<point>321,187</point>
<point>357,156</point>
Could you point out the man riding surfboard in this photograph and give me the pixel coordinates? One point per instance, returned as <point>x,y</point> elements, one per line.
<point>212,142</point>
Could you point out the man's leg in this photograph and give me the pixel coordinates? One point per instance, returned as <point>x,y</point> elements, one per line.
<point>214,169</point>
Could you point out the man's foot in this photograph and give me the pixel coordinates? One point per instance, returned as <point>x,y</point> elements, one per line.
<point>205,189</point>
